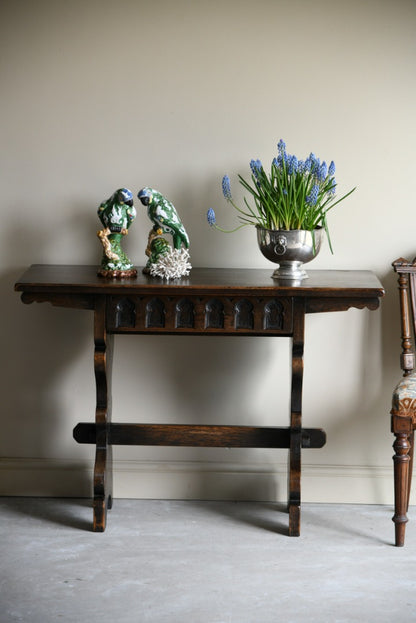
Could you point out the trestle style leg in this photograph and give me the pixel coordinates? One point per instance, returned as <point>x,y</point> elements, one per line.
<point>401,460</point>
<point>294,485</point>
<point>103,469</point>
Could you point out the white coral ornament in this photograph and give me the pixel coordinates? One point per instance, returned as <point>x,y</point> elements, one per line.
<point>171,265</point>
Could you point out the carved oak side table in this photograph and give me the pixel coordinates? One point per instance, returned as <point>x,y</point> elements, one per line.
<point>209,302</point>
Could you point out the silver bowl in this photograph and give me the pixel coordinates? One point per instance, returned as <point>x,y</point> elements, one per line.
<point>290,249</point>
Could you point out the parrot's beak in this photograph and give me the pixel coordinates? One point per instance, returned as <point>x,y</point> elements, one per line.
<point>146,200</point>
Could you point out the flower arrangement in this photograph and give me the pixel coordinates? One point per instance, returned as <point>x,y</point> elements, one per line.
<point>296,194</point>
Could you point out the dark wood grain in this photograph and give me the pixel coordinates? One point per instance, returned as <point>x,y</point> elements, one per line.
<point>209,436</point>
<point>360,284</point>
<point>103,469</point>
<point>245,302</point>
<point>294,475</point>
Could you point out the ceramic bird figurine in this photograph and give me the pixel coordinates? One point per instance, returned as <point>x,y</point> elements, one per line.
<point>164,216</point>
<point>116,215</point>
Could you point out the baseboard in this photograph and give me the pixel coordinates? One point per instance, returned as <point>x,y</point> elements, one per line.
<point>196,480</point>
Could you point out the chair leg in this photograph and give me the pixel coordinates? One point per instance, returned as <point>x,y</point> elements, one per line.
<point>409,478</point>
<point>401,484</point>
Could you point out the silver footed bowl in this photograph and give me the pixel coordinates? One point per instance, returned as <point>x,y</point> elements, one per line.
<point>290,249</point>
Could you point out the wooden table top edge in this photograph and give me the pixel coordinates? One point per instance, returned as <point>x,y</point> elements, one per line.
<point>81,278</point>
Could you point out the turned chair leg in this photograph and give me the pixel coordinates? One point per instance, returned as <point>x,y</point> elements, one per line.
<point>409,477</point>
<point>401,459</point>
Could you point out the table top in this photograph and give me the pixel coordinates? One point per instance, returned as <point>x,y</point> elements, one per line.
<point>81,279</point>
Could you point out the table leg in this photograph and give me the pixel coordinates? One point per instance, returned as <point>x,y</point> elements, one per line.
<point>103,469</point>
<point>294,496</point>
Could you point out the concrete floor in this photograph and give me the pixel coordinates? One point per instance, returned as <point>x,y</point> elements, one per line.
<point>202,562</point>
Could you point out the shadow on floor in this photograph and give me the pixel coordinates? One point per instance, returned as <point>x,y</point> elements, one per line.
<point>264,515</point>
<point>68,512</point>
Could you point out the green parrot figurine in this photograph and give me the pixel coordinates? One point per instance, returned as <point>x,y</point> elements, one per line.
<point>116,215</point>
<point>164,217</point>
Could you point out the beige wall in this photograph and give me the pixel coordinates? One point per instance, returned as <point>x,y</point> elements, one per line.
<point>102,94</point>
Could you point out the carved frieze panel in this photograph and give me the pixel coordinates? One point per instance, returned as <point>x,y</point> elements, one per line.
<point>125,314</point>
<point>184,314</point>
<point>196,314</point>
<point>273,315</point>
<point>243,314</point>
<point>214,314</point>
<point>155,314</point>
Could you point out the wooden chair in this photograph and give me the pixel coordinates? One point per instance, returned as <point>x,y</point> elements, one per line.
<point>403,412</point>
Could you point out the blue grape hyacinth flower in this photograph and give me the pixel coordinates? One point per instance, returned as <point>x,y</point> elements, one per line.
<point>323,171</point>
<point>256,167</point>
<point>312,198</point>
<point>226,188</point>
<point>212,221</point>
<point>292,165</point>
<point>211,217</point>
